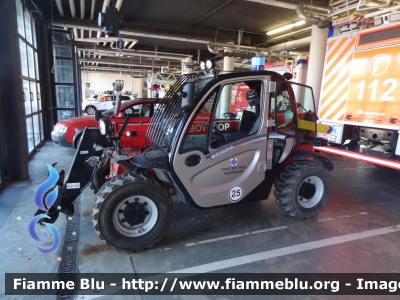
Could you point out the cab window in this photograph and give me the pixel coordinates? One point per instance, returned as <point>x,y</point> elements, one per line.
<point>293,110</point>
<point>231,112</point>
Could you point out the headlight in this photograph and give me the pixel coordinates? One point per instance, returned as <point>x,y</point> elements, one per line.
<point>103,128</point>
<point>104,124</point>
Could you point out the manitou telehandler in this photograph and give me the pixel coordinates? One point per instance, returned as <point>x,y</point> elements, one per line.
<point>270,142</point>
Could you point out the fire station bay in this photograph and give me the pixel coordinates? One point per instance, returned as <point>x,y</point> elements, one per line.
<point>214,149</point>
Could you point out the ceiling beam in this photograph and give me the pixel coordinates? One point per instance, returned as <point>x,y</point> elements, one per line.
<point>92,10</point>
<point>82,9</point>
<point>72,7</point>
<point>60,8</point>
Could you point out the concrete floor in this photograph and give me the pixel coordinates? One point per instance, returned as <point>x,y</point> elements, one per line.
<point>354,234</point>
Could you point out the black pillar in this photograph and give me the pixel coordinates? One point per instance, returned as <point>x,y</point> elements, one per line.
<point>11,102</point>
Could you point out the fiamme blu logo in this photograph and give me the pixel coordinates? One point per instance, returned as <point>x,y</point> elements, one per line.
<point>44,197</point>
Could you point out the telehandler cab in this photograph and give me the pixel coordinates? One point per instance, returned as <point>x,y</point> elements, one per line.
<point>271,142</point>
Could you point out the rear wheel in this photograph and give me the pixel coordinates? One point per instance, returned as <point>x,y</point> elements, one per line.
<point>90,110</point>
<point>131,212</point>
<point>99,176</point>
<point>302,189</point>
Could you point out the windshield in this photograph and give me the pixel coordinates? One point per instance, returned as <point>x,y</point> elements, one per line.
<point>110,111</point>
<point>168,114</point>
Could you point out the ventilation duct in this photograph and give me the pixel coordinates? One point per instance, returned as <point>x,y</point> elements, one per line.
<point>291,45</point>
<point>309,13</point>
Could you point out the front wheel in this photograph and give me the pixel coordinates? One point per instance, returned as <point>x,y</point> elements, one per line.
<point>131,212</point>
<point>302,189</point>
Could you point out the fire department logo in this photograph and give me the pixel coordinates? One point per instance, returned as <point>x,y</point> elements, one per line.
<point>379,64</point>
<point>234,162</point>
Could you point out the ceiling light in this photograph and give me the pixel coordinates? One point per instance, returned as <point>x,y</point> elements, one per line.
<point>286,27</point>
<point>298,23</point>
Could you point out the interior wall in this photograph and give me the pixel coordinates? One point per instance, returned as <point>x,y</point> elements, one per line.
<point>100,82</point>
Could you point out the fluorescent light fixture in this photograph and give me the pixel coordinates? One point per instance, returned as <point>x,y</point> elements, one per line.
<point>298,23</point>
<point>276,3</point>
<point>286,27</point>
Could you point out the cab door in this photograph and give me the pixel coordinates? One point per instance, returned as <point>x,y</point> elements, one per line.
<point>220,160</point>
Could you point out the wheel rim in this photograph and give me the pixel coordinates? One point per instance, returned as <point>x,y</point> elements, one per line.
<point>310,192</point>
<point>135,216</point>
<point>90,111</point>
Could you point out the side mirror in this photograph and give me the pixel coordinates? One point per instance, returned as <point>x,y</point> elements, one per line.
<point>187,94</point>
<point>97,115</point>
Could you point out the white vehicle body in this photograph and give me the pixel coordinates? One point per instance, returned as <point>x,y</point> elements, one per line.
<point>105,102</point>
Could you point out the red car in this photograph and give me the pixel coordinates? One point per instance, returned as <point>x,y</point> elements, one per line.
<point>67,132</point>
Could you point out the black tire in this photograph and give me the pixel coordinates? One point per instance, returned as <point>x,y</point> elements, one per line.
<point>302,189</point>
<point>110,210</point>
<point>99,176</point>
<point>90,110</point>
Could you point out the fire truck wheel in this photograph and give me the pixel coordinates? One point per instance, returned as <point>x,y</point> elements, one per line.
<point>302,189</point>
<point>99,176</point>
<point>131,212</point>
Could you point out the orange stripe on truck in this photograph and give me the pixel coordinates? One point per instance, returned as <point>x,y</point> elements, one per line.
<point>339,58</point>
<point>336,49</point>
<point>341,93</point>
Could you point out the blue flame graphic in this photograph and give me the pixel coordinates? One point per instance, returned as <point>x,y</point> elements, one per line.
<point>49,200</point>
<point>44,188</point>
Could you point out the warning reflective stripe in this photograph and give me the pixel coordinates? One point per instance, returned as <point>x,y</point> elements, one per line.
<point>336,78</point>
<point>359,156</point>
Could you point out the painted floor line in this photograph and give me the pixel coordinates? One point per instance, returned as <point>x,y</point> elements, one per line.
<point>359,168</point>
<point>342,217</point>
<point>234,236</point>
<point>246,259</point>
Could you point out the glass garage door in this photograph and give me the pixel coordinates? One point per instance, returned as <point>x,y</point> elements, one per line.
<point>2,160</point>
<point>64,79</point>
<point>30,76</point>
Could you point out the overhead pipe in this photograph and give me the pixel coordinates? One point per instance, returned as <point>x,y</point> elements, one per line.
<point>134,33</point>
<point>117,63</point>
<point>213,48</point>
<point>305,12</point>
<point>381,12</point>
<point>60,8</point>
<point>161,57</point>
<point>151,54</point>
<point>111,69</point>
<point>72,7</point>
<point>102,39</point>
<point>291,45</point>
<point>158,52</point>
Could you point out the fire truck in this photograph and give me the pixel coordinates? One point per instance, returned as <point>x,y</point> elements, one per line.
<point>360,93</point>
